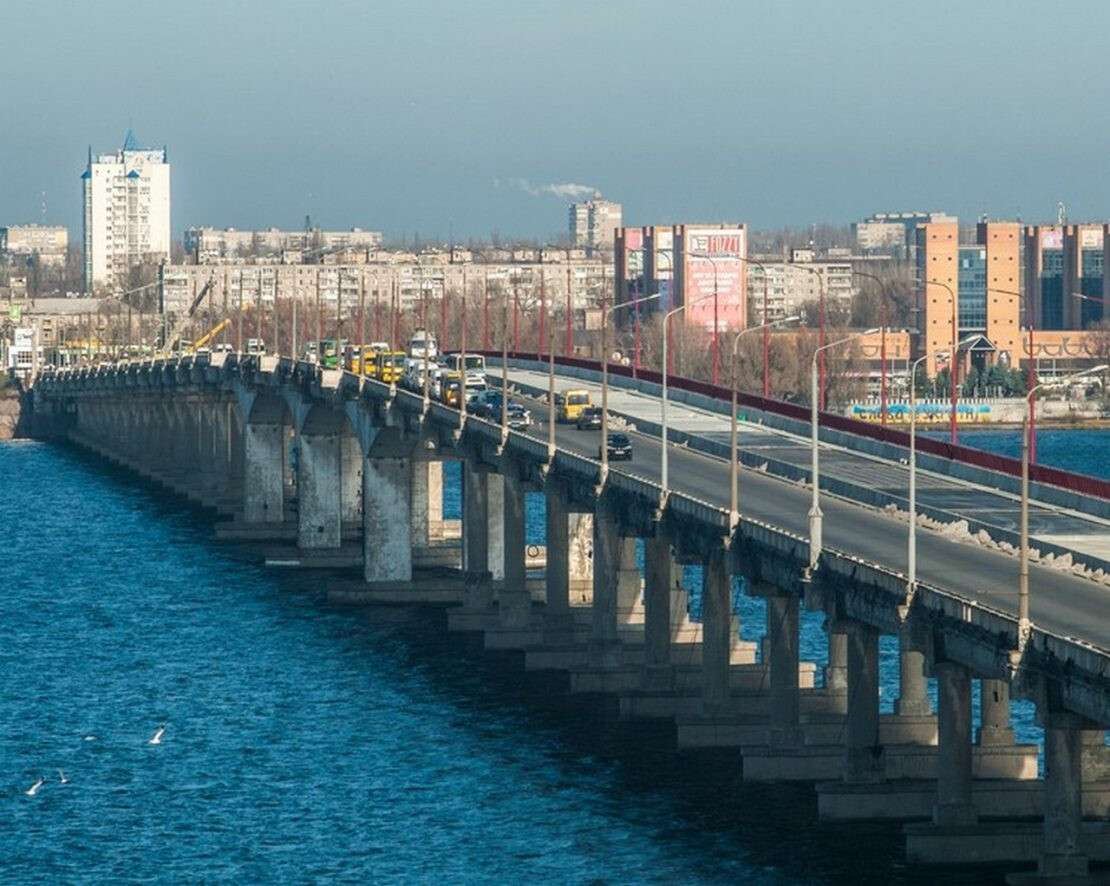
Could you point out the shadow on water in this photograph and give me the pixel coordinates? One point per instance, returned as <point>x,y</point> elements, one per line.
<point>694,808</point>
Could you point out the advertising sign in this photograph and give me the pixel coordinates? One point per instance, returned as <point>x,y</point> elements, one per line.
<point>15,313</point>
<point>1090,238</point>
<point>711,262</point>
<point>1053,238</point>
<point>24,338</point>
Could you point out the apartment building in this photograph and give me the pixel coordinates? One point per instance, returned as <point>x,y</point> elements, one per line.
<point>126,213</point>
<point>47,243</point>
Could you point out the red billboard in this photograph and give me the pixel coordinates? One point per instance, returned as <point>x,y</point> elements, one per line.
<point>709,260</point>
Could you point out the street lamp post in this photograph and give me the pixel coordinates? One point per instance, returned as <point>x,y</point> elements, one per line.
<point>716,326</point>
<point>734,453</point>
<point>605,379</point>
<point>1023,568</point>
<point>884,322</point>
<point>1031,371</point>
<point>953,359</point>
<point>911,549</point>
<point>664,461</point>
<point>815,515</point>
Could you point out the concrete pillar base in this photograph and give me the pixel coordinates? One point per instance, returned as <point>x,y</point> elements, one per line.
<point>865,765</point>
<point>1002,843</point>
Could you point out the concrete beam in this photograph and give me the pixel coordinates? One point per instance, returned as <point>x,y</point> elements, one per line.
<point>386,527</point>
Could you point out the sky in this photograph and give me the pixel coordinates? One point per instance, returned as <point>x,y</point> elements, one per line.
<point>447,120</point>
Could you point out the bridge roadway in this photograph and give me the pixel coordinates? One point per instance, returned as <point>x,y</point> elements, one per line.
<point>856,475</point>
<point>1061,602</point>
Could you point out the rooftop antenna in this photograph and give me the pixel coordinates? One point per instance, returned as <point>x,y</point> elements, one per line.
<point>44,207</point>
<point>1061,213</point>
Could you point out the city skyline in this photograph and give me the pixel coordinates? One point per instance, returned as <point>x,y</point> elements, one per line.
<point>780,130</point>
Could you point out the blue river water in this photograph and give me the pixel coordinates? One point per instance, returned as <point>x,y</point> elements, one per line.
<point>308,742</point>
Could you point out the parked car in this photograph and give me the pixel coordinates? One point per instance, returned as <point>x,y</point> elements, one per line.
<point>620,448</point>
<point>589,419</point>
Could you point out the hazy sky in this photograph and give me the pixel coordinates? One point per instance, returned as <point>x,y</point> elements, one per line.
<point>428,116</point>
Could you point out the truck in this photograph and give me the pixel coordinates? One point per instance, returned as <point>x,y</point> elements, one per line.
<point>475,368</point>
<point>423,344</point>
<point>389,366</point>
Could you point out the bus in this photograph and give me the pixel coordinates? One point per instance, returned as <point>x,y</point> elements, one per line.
<point>388,366</point>
<point>329,352</point>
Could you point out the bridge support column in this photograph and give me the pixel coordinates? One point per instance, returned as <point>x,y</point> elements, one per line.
<point>514,601</point>
<point>475,518</point>
<point>836,671</point>
<point>604,642</point>
<point>427,502</point>
<point>318,491</point>
<point>495,509</point>
<point>264,465</point>
<point>629,586</point>
<point>995,726</point>
<point>659,571</point>
<point>581,557</point>
<point>716,631</point>
<point>783,635</point>
<point>386,540</point>
<point>350,478</point>
<point>954,805</point>
<point>913,721</point>
<point>863,754</point>
<point>558,620</point>
<point>1062,855</point>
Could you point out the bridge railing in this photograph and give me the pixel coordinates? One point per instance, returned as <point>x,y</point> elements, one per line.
<point>1083,484</point>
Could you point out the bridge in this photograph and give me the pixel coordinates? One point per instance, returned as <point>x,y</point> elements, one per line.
<point>324,468</point>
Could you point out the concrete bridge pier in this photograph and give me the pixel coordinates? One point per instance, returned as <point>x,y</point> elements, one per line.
<point>863,761</point>
<point>1063,853</point>
<point>514,603</point>
<point>604,646</point>
<point>913,721</point>
<point>558,620</point>
<point>264,473</point>
<point>717,625</point>
<point>386,521</point>
<point>659,578</point>
<point>319,490</point>
<point>954,805</point>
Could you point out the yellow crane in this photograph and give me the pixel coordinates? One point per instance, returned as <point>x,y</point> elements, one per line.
<point>211,334</point>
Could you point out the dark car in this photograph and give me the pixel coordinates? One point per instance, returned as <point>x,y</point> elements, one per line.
<point>620,448</point>
<point>590,419</point>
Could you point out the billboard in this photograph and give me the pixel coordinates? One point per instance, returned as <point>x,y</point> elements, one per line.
<point>708,260</point>
<point>1052,238</point>
<point>1090,238</point>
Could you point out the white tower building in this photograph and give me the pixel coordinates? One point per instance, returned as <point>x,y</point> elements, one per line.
<point>127,213</point>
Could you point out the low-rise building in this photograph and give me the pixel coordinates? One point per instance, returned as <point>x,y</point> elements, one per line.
<point>205,244</point>
<point>48,243</point>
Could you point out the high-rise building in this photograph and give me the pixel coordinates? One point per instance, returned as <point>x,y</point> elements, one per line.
<point>982,281</point>
<point>593,223</point>
<point>127,213</point>
<point>1062,263</point>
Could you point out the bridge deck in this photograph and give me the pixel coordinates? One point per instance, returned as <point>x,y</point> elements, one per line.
<point>1075,531</point>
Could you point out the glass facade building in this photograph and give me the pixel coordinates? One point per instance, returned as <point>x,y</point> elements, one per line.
<point>973,289</point>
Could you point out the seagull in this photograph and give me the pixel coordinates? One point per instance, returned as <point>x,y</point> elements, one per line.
<point>62,777</point>
<point>157,737</point>
<point>34,789</point>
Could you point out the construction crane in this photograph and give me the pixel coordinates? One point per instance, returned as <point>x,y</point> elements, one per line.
<point>210,335</point>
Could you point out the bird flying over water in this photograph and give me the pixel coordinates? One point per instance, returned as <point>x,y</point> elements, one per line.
<point>34,789</point>
<point>158,733</point>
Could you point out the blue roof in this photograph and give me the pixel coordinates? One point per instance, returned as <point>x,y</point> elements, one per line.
<point>86,174</point>
<point>134,173</point>
<point>130,143</point>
